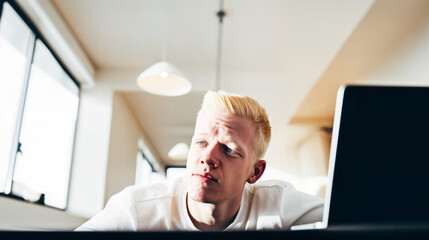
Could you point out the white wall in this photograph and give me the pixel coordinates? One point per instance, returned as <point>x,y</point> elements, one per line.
<point>409,63</point>
<point>91,152</point>
<point>313,154</point>
<point>124,135</point>
<point>307,158</point>
<point>20,215</point>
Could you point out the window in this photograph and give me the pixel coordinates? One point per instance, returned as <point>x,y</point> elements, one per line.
<point>15,40</point>
<point>173,173</point>
<point>39,106</point>
<point>146,172</point>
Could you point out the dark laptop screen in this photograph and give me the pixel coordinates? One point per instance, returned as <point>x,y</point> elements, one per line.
<point>381,169</point>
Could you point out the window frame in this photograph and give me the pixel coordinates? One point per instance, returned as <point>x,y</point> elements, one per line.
<point>35,35</point>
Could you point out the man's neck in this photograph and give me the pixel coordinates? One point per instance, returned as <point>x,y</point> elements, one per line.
<point>212,216</point>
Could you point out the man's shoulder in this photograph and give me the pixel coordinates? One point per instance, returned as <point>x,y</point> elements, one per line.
<point>156,191</point>
<point>269,191</point>
<point>280,189</point>
<point>270,185</point>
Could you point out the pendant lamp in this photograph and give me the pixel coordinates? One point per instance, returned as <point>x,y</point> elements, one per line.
<point>165,79</point>
<point>179,152</point>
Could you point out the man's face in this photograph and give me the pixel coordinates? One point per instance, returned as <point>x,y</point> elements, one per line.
<point>220,159</point>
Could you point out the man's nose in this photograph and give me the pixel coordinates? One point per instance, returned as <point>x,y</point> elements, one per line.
<point>211,157</point>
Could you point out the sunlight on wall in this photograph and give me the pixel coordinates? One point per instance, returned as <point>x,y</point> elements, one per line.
<point>312,158</point>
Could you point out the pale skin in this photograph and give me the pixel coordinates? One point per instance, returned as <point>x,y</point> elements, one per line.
<point>221,160</point>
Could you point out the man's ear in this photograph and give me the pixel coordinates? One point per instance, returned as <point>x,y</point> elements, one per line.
<point>258,170</point>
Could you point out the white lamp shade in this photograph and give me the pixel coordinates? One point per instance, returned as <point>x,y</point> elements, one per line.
<point>163,78</point>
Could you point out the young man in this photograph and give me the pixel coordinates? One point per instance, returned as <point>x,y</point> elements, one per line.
<point>220,192</point>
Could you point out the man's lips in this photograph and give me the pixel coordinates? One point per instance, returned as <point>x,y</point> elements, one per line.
<point>205,177</point>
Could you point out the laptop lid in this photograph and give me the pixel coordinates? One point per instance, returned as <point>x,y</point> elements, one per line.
<point>379,161</point>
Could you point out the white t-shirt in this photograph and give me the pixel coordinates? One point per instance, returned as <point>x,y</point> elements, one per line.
<point>266,205</point>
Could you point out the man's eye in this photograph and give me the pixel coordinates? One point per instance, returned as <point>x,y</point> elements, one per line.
<point>229,150</point>
<point>201,143</point>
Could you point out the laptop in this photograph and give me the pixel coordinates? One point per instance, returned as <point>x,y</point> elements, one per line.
<point>379,159</point>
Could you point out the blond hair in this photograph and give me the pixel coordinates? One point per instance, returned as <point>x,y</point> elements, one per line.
<point>243,106</point>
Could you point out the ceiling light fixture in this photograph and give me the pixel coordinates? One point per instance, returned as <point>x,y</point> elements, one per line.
<point>165,79</point>
<point>179,152</point>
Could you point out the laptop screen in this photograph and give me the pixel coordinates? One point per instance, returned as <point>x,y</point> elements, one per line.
<point>379,165</point>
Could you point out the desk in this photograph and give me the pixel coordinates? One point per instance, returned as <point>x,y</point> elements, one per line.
<point>365,232</point>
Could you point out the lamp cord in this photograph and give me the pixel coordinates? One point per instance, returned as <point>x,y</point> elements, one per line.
<point>164,47</point>
<point>220,14</point>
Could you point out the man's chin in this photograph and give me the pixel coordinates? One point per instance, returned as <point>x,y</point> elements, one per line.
<point>201,196</point>
<point>203,200</point>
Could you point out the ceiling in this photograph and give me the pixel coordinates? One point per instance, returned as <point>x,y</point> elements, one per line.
<point>275,51</point>
<point>388,33</point>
